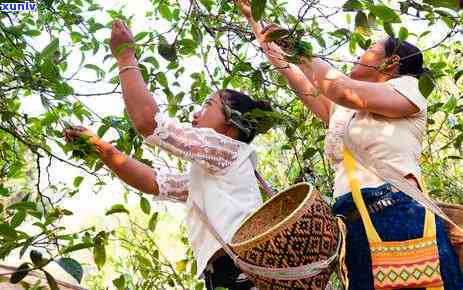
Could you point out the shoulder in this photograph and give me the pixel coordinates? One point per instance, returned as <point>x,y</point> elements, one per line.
<point>408,87</point>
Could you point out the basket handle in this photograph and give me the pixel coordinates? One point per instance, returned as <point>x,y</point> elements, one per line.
<point>289,273</point>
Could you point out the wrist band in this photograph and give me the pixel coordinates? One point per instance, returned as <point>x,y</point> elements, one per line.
<point>127,67</point>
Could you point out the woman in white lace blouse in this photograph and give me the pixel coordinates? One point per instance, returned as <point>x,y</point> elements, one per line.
<point>221,178</point>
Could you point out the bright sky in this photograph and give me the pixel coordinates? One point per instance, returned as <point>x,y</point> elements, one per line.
<point>88,206</point>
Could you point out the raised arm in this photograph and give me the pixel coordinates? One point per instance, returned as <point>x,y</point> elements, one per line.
<point>376,97</point>
<point>141,106</point>
<point>133,172</point>
<point>298,82</point>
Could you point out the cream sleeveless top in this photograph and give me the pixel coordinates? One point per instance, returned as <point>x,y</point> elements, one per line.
<point>395,141</point>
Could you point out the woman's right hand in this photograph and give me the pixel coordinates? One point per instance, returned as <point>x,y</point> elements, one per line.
<point>121,35</point>
<point>73,133</point>
<point>245,7</point>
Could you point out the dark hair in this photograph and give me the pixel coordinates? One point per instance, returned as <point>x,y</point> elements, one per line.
<point>244,104</point>
<point>411,58</point>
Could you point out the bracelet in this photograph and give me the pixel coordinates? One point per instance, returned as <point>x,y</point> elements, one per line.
<point>127,67</point>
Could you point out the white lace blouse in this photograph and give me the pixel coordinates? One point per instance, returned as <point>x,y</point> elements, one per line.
<point>220,181</point>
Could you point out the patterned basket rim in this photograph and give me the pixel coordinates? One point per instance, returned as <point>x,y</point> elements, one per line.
<point>300,207</point>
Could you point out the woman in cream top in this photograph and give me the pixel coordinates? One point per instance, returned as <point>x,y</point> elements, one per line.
<point>389,123</point>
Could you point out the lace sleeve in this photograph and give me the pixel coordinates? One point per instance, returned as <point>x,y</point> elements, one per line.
<point>172,186</point>
<point>210,149</point>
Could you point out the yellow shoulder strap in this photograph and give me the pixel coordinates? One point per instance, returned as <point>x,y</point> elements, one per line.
<point>349,163</point>
<point>430,218</point>
<point>372,234</point>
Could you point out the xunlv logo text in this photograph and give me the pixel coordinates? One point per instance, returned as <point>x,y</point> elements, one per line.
<point>18,7</point>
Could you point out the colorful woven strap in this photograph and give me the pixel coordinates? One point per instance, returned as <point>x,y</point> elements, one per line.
<point>289,273</point>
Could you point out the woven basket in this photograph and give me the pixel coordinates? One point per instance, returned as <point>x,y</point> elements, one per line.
<point>455,213</point>
<point>293,228</point>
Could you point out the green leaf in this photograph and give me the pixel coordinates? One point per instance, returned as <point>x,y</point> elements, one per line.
<point>458,75</point>
<point>77,247</point>
<point>165,11</point>
<point>72,267</point>
<point>117,208</point>
<point>451,4</point>
<point>310,152</point>
<point>23,205</point>
<point>51,281</point>
<point>385,13</point>
<point>144,261</point>
<point>180,266</point>
<point>403,33</point>
<point>451,105</point>
<point>119,283</point>
<point>102,130</point>
<point>145,205</point>
<point>426,85</point>
<point>361,23</point>
<point>194,268</point>
<point>167,51</point>
<point>99,251</point>
<point>36,258</point>
<point>196,33</point>
<point>352,5</point>
<point>258,9</point>
<point>20,273</point>
<point>188,46</point>
<point>62,89</point>
<point>76,36</point>
<point>50,49</point>
<point>7,231</point>
<point>208,4</point>
<point>78,180</point>
<point>99,72</point>
<point>18,219</point>
<point>162,79</point>
<point>153,221</point>
<point>389,29</point>
<point>140,36</point>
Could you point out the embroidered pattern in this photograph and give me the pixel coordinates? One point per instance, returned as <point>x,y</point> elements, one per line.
<point>334,144</point>
<point>203,145</point>
<point>414,263</point>
<point>172,187</point>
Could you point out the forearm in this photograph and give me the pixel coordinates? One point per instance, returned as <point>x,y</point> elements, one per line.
<point>131,171</point>
<point>141,106</point>
<point>329,81</point>
<point>297,81</point>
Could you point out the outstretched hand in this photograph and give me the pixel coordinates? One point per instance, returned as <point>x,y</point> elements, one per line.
<point>245,7</point>
<point>75,132</point>
<point>121,36</point>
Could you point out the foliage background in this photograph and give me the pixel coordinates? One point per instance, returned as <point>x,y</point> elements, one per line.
<point>56,70</point>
